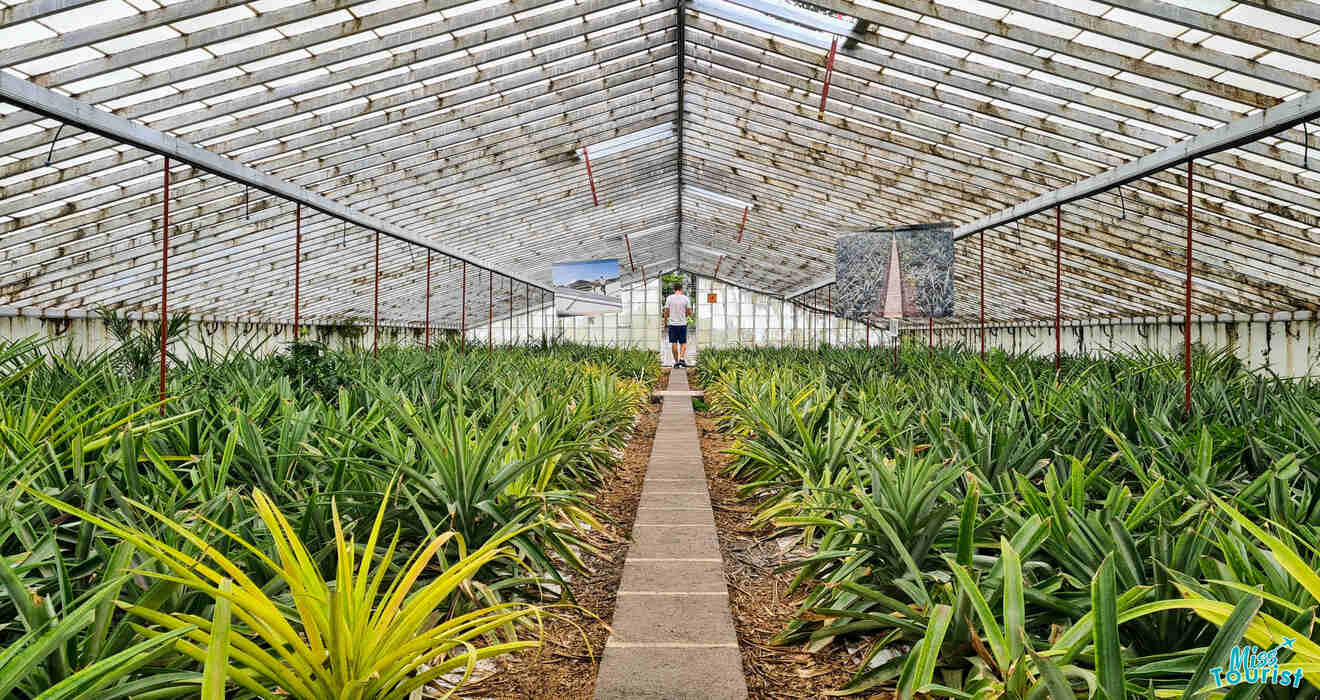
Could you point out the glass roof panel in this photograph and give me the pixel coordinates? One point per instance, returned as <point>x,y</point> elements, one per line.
<point>959,130</point>
<point>1146,22</point>
<point>1253,84</point>
<point>26,32</point>
<point>1112,45</point>
<point>88,15</point>
<point>136,39</point>
<point>1233,47</point>
<point>213,19</point>
<point>59,60</point>
<point>1272,21</point>
<point>1040,24</point>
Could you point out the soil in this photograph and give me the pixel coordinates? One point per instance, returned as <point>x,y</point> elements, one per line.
<point>566,665</point>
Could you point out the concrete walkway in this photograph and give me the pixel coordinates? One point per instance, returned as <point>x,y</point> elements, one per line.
<point>667,350</point>
<point>672,634</point>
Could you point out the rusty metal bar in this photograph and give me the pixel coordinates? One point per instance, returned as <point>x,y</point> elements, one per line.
<point>743,226</point>
<point>1058,288</point>
<point>829,73</point>
<point>297,263</point>
<point>427,345</point>
<point>462,314</point>
<point>164,276</point>
<point>590,181</point>
<point>630,258</point>
<point>811,320</point>
<point>1187,303</point>
<point>375,314</point>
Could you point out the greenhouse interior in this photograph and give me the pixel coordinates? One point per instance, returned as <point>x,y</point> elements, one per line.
<point>690,349</point>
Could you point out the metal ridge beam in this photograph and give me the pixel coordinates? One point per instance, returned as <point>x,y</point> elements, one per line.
<point>682,94</point>
<point>25,95</point>
<point>1237,133</point>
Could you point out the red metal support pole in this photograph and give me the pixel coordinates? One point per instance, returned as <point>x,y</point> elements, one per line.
<point>715,277</point>
<point>490,310</point>
<point>829,314</point>
<point>590,181</point>
<point>164,278</point>
<point>428,300</point>
<point>1058,289</point>
<point>811,320</point>
<point>742,226</point>
<point>1187,305</point>
<point>462,314</point>
<point>375,314</point>
<point>630,258</point>
<point>829,73</point>
<point>982,244</point>
<point>297,264</point>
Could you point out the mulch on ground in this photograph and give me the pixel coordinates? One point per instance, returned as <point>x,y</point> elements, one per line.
<point>566,665</point>
<point>758,595</point>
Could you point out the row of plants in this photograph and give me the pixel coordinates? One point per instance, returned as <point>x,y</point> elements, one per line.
<point>311,524</point>
<point>994,529</point>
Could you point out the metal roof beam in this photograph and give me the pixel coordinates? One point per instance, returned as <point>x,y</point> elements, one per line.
<point>1260,37</point>
<point>1242,131</point>
<point>25,95</point>
<point>1158,42</point>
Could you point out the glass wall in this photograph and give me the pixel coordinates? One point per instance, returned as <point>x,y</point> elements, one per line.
<point>741,318</point>
<point>736,318</point>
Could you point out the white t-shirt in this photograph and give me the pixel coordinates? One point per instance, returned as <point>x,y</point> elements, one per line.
<point>677,304</point>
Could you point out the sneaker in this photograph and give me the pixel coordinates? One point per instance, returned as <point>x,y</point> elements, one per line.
<point>680,364</point>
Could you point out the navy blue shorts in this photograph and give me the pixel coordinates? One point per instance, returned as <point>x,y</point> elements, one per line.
<point>678,334</point>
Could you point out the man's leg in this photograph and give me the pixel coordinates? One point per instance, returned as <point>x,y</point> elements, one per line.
<point>673,350</point>
<point>682,351</point>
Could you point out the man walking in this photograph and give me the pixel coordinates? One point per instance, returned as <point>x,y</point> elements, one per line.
<point>677,312</point>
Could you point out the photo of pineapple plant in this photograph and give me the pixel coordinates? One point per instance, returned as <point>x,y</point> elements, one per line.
<point>312,523</point>
<point>961,528</point>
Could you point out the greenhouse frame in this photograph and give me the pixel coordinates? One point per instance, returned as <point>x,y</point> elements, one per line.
<point>330,229</point>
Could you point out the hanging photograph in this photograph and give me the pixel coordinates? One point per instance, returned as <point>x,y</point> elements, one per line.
<point>901,272</point>
<point>586,287</point>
